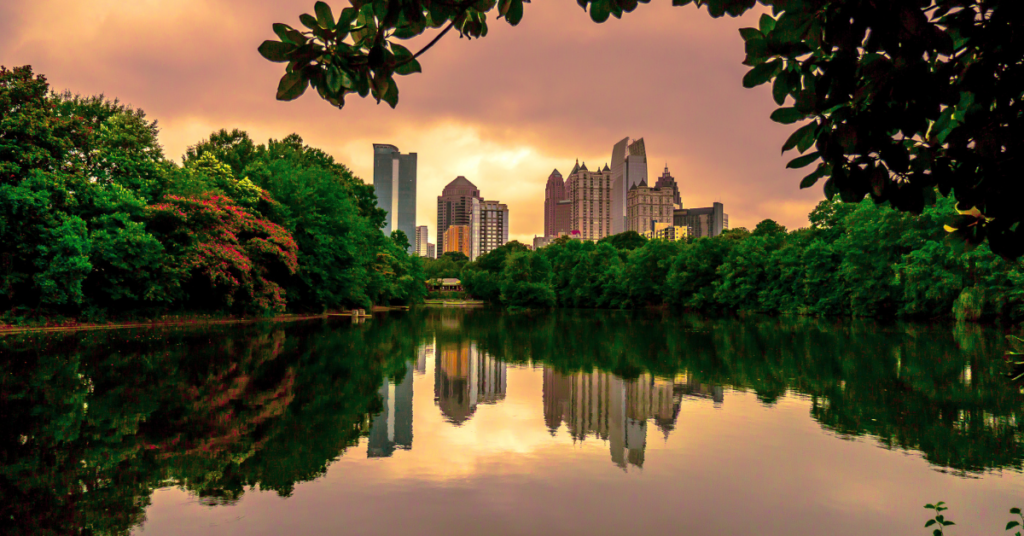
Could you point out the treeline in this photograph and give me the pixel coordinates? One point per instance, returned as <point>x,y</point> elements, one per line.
<point>855,259</point>
<point>95,223</point>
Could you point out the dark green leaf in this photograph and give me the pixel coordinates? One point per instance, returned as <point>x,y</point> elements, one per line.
<point>750,33</point>
<point>347,16</point>
<point>1015,511</point>
<point>802,161</point>
<point>309,21</point>
<point>400,52</point>
<point>288,34</point>
<point>391,95</point>
<point>324,15</point>
<point>800,137</point>
<point>780,89</point>
<point>503,7</point>
<point>515,12</point>
<point>334,79</point>
<point>275,50</point>
<point>929,523</point>
<point>761,74</point>
<point>678,3</point>
<point>599,10</point>
<point>292,86</point>
<point>787,116</point>
<point>757,52</point>
<point>767,23</point>
<point>410,67</point>
<point>811,179</point>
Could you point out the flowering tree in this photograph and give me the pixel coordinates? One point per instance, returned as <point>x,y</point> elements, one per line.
<point>238,256</point>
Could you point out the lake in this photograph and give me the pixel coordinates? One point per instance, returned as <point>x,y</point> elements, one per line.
<point>442,421</point>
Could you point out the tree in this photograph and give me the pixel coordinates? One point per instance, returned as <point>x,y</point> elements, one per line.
<point>400,239</point>
<point>628,240</point>
<point>902,97</point>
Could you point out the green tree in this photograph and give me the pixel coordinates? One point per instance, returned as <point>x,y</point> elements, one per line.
<point>628,240</point>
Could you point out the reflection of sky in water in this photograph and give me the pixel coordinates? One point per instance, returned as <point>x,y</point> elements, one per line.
<point>468,445</point>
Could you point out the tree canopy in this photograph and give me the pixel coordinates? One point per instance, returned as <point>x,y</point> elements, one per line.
<point>901,100</point>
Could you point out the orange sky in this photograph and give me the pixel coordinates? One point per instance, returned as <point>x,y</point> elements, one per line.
<point>502,111</point>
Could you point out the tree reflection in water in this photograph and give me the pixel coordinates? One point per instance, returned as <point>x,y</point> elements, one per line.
<point>93,422</point>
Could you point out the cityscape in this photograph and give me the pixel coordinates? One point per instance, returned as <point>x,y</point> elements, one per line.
<point>586,406</point>
<point>585,205</point>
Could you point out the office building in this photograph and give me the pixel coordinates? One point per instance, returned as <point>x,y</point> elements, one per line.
<point>589,194</point>
<point>394,183</point>
<point>629,168</point>
<point>668,181</point>
<point>459,204</point>
<point>422,240</point>
<point>702,222</point>
<point>392,427</point>
<point>541,241</point>
<point>648,206</point>
<point>557,207</point>
<point>464,378</point>
<point>458,238</point>
<point>493,226</point>
<point>667,231</point>
<point>431,253</point>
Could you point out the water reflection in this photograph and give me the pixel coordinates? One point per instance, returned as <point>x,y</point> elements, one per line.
<point>94,422</point>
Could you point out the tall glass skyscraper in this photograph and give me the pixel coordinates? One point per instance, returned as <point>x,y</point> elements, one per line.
<point>394,182</point>
<point>629,168</point>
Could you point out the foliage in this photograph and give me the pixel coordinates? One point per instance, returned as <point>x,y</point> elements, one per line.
<point>860,259</point>
<point>896,99</point>
<point>95,223</point>
<point>625,240</point>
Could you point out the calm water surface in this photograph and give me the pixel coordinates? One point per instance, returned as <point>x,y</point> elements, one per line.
<point>451,422</point>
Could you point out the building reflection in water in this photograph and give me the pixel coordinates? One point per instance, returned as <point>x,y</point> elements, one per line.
<point>392,427</point>
<point>604,406</point>
<point>465,377</point>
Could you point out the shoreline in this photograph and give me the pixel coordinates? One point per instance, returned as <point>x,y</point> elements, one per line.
<point>7,329</point>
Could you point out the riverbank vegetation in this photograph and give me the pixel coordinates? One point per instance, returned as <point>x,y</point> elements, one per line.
<point>96,223</point>
<point>855,259</point>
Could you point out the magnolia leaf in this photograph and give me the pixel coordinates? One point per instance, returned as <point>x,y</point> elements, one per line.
<point>292,86</point>
<point>761,74</point>
<point>409,67</point>
<point>802,161</point>
<point>515,12</point>
<point>787,116</point>
<point>599,10</point>
<point>275,50</point>
<point>766,23</point>
<point>324,15</point>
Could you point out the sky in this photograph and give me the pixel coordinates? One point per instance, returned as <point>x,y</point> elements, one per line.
<point>503,111</point>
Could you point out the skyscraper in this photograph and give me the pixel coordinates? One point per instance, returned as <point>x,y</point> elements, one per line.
<point>589,194</point>
<point>557,207</point>
<point>668,181</point>
<point>458,204</point>
<point>392,427</point>
<point>394,183</point>
<point>422,240</point>
<point>457,239</point>
<point>465,377</point>
<point>629,168</point>
<point>493,226</point>
<point>648,206</point>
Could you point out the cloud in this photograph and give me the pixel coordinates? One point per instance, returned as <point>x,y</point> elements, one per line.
<point>503,111</point>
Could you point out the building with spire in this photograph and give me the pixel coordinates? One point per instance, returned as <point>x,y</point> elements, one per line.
<point>394,183</point>
<point>646,207</point>
<point>589,194</point>
<point>667,181</point>
<point>629,168</point>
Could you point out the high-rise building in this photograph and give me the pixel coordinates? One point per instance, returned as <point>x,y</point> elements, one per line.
<point>557,207</point>
<point>702,222</point>
<point>458,238</point>
<point>394,183</point>
<point>589,194</point>
<point>493,226</point>
<point>392,427</point>
<point>465,377</point>
<point>541,241</point>
<point>668,181</point>
<point>629,168</point>
<point>422,239</point>
<point>458,204</point>
<point>648,206</point>
<point>431,253</point>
